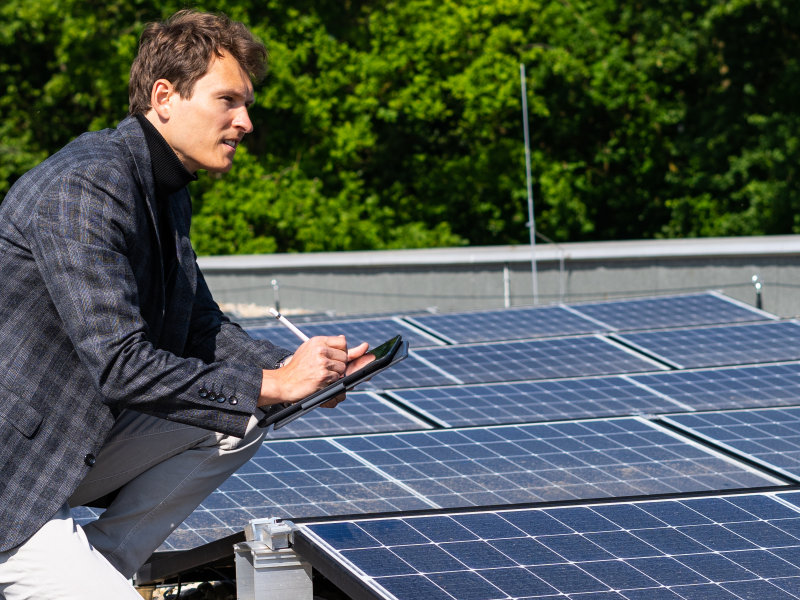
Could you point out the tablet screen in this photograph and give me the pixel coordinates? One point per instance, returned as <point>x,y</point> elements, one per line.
<point>384,348</point>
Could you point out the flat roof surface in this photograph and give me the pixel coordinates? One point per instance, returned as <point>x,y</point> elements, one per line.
<point>586,251</point>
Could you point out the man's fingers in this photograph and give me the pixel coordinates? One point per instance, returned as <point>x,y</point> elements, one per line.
<point>335,341</point>
<point>336,367</point>
<point>358,351</point>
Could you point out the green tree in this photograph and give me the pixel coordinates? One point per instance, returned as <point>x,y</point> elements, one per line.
<point>397,124</point>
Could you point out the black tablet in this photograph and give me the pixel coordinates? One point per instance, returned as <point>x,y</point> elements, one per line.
<point>387,354</point>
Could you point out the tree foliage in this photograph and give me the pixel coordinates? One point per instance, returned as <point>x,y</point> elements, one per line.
<point>388,124</point>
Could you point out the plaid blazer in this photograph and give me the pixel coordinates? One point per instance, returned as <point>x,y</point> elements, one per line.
<point>85,330</point>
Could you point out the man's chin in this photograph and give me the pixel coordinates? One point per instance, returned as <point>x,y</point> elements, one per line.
<point>220,168</point>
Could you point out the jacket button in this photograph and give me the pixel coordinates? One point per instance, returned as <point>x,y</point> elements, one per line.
<point>221,398</point>
<point>203,393</point>
<point>212,396</point>
<point>89,460</point>
<point>233,400</point>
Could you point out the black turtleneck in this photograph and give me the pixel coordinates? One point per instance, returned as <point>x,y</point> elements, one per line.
<point>170,176</point>
<point>168,171</point>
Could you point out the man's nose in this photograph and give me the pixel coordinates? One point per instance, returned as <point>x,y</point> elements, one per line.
<point>242,121</point>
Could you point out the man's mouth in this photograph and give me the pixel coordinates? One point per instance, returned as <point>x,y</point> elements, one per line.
<point>231,143</point>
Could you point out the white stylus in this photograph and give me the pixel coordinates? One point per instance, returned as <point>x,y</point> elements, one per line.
<point>288,324</point>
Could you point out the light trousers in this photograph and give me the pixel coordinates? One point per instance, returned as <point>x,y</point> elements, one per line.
<point>163,470</point>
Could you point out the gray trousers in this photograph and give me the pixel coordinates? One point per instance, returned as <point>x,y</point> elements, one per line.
<point>164,470</point>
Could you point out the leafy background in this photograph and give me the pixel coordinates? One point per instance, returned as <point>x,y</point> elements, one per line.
<point>398,124</point>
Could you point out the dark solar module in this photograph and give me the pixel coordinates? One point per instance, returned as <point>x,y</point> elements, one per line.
<point>359,413</point>
<point>740,387</point>
<point>556,461</point>
<point>374,332</point>
<point>714,548</point>
<point>412,372</point>
<point>448,468</point>
<point>509,324</point>
<point>540,359</point>
<point>292,479</point>
<point>529,401</point>
<point>721,346</point>
<point>771,436</point>
<point>671,311</point>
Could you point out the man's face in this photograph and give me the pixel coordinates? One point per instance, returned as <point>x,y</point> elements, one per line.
<point>205,130</point>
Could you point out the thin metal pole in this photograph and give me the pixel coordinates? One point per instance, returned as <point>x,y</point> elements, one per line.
<point>506,287</point>
<point>531,221</point>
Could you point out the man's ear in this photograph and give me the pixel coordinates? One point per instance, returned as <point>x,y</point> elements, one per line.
<point>160,97</point>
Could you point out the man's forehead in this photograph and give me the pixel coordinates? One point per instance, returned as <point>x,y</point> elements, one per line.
<point>226,75</point>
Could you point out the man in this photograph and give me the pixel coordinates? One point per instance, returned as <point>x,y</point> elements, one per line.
<point>120,379</point>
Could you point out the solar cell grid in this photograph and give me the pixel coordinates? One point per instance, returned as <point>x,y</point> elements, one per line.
<point>509,324</point>
<point>412,372</point>
<point>673,311</point>
<point>720,346</point>
<point>539,359</point>
<point>771,436</point>
<point>743,387</point>
<point>556,461</point>
<point>292,479</point>
<point>741,547</point>
<point>529,401</point>
<point>359,413</point>
<point>373,332</point>
<point>449,468</point>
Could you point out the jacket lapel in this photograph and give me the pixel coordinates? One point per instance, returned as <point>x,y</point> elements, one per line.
<point>134,137</point>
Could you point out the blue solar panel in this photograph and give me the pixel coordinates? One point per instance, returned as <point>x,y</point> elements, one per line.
<point>412,372</point>
<point>739,387</point>
<point>468,467</point>
<point>293,479</point>
<point>374,332</point>
<point>359,413</point>
<point>509,324</point>
<point>529,401</point>
<point>742,547</point>
<point>556,461</point>
<point>540,359</point>
<point>672,311</point>
<point>771,436</point>
<point>720,346</point>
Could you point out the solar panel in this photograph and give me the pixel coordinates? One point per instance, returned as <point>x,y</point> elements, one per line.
<point>671,311</point>
<point>539,359</point>
<point>738,387</point>
<point>529,401</point>
<point>448,468</point>
<point>555,461</point>
<point>373,332</point>
<point>509,324</point>
<point>293,479</point>
<point>412,372</point>
<point>714,548</point>
<point>770,436</point>
<point>359,413</point>
<point>720,346</point>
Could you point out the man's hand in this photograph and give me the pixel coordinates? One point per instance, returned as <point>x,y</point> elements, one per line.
<point>316,364</point>
<point>356,359</point>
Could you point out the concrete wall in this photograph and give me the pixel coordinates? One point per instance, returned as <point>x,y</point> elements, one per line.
<point>473,278</point>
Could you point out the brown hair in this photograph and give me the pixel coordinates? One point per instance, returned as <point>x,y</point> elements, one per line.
<point>181,48</point>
